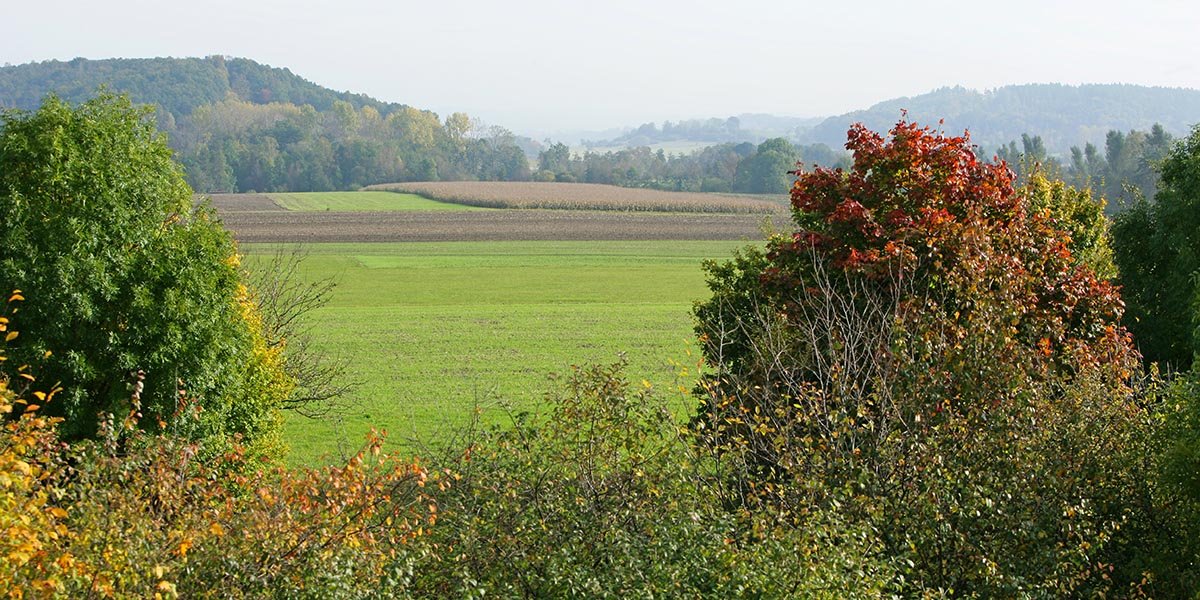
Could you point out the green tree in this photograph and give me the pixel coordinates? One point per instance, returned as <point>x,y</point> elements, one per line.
<point>1157,246</point>
<point>123,275</point>
<point>766,171</point>
<point>555,159</point>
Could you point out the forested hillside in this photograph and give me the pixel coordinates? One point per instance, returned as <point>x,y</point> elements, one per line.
<point>1063,115</point>
<point>238,125</point>
<point>178,85</point>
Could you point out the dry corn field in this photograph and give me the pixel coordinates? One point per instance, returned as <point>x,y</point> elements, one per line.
<point>583,196</point>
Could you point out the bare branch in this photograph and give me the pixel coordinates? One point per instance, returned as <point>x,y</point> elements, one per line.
<point>286,299</point>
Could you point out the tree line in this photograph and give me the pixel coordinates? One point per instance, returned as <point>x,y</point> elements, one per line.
<point>743,167</point>
<point>239,146</point>
<point>1125,170</point>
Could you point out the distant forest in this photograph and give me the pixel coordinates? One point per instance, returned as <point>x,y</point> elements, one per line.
<point>747,127</point>
<point>237,125</point>
<point>729,167</point>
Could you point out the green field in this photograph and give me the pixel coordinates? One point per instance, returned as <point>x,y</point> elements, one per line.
<point>433,328</point>
<point>361,201</point>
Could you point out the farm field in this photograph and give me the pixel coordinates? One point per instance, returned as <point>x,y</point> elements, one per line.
<point>432,329</point>
<point>585,196</point>
<point>263,218</point>
<point>491,225</point>
<point>362,202</point>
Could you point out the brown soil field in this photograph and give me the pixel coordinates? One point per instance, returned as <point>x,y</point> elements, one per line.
<point>284,226</point>
<point>584,196</point>
<point>229,203</point>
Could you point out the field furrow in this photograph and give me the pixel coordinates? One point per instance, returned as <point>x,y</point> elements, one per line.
<point>526,225</point>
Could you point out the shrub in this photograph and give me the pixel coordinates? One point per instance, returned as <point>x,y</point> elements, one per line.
<point>933,353</point>
<point>606,497</point>
<point>138,514</point>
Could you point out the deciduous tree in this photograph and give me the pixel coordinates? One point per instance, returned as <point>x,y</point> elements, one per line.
<point>931,350</point>
<point>125,276</point>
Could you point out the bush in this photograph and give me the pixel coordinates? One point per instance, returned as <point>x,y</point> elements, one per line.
<point>606,497</point>
<point>932,352</point>
<point>144,515</point>
<point>125,276</point>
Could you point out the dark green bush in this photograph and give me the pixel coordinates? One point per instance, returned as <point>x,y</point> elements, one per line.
<point>123,275</point>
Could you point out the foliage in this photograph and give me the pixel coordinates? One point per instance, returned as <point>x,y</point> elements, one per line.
<point>32,520</point>
<point>155,518</point>
<point>176,85</point>
<point>766,171</point>
<point>142,514</point>
<point>1176,543</point>
<point>605,498</point>
<point>1157,252</point>
<point>1074,212</point>
<point>928,351</point>
<point>129,284</point>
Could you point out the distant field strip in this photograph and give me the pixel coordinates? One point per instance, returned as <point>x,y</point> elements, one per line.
<point>432,328</point>
<point>583,196</point>
<point>362,202</point>
<point>411,226</point>
<point>236,203</point>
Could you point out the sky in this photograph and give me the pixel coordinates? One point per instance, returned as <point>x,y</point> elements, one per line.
<point>543,66</point>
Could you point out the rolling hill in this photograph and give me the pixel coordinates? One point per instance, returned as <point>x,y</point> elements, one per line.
<point>179,85</point>
<point>1063,115</point>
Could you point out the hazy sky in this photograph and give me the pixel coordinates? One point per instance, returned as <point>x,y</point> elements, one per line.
<point>540,66</point>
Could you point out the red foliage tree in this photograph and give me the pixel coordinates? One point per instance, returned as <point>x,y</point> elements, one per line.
<point>925,344</point>
<point>921,209</point>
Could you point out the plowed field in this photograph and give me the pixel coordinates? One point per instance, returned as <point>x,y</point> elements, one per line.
<point>519,225</point>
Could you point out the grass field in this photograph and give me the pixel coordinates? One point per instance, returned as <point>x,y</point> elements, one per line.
<point>362,201</point>
<point>432,328</point>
